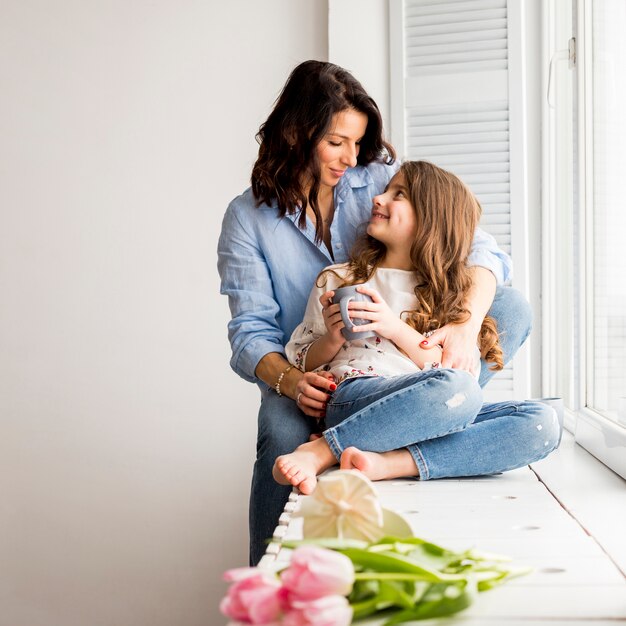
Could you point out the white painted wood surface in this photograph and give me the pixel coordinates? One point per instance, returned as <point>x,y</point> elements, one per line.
<point>564,517</point>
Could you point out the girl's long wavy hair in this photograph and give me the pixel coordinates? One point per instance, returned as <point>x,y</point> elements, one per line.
<point>447,216</point>
<point>287,169</point>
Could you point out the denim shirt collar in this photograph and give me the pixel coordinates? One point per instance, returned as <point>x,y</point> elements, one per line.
<point>354,178</point>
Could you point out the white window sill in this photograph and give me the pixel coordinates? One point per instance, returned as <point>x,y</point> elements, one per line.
<point>593,494</point>
<point>563,516</point>
<point>604,439</point>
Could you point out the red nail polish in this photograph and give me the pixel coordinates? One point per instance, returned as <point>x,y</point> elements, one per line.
<point>333,386</point>
<point>423,343</point>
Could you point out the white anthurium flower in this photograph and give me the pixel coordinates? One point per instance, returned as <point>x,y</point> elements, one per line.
<point>345,505</point>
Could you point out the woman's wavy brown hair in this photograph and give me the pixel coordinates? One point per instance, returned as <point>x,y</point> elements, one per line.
<point>447,216</point>
<point>287,169</point>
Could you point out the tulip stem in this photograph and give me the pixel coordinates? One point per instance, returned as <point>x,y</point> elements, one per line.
<point>399,576</point>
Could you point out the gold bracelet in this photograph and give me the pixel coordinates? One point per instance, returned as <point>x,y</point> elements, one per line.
<point>280,379</point>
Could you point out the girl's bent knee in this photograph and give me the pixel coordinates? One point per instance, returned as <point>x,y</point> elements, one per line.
<point>462,381</point>
<point>462,389</point>
<point>544,427</point>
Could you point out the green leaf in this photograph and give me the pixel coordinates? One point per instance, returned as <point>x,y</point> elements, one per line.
<point>499,576</point>
<point>390,595</point>
<point>381,601</point>
<point>395,593</point>
<point>440,601</point>
<point>392,562</point>
<point>363,590</point>
<point>409,543</point>
<point>477,555</point>
<point>426,553</point>
<point>331,543</point>
<point>383,576</point>
<point>364,608</point>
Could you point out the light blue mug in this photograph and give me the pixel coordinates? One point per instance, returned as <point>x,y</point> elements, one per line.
<point>343,296</point>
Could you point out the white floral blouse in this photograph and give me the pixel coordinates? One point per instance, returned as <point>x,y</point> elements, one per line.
<point>374,356</point>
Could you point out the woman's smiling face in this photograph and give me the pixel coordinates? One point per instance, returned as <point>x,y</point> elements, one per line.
<point>339,148</point>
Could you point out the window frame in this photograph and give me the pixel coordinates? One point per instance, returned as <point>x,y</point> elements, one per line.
<point>597,433</point>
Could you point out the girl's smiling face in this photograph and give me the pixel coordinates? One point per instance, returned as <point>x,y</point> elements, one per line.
<point>393,220</point>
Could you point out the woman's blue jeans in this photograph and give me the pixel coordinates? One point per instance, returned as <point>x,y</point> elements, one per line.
<point>282,427</point>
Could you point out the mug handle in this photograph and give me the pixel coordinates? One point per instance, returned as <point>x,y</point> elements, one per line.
<point>343,306</point>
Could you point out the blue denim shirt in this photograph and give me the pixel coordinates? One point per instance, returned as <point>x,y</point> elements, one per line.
<point>268,265</point>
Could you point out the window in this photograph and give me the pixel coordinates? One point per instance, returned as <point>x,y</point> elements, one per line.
<point>584,221</point>
<point>607,213</point>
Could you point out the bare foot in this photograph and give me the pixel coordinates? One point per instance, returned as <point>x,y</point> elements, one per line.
<point>380,465</point>
<point>301,467</point>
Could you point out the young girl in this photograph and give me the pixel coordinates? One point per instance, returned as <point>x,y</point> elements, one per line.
<point>414,259</point>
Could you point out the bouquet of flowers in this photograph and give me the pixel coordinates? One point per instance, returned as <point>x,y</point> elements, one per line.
<point>333,580</point>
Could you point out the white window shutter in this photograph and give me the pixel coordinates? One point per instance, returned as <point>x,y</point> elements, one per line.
<point>458,102</point>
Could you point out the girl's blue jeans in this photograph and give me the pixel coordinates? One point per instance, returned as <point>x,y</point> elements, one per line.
<point>440,418</point>
<point>498,437</point>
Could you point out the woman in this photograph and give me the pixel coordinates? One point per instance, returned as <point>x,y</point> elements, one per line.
<point>413,258</point>
<point>322,158</point>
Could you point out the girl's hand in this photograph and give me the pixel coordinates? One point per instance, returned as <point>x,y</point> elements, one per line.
<point>459,345</point>
<point>332,319</point>
<point>382,319</point>
<point>313,392</point>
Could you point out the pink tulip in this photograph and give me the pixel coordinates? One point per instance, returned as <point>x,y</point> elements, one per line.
<point>253,599</point>
<point>231,623</point>
<point>239,573</point>
<point>326,611</point>
<point>316,572</point>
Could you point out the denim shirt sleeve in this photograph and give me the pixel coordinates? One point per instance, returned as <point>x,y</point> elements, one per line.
<point>253,330</point>
<point>485,253</point>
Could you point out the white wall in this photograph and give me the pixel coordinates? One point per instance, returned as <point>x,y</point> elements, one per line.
<point>358,39</point>
<point>126,443</point>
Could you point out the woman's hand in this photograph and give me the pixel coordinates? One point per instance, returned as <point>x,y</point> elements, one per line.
<point>382,319</point>
<point>332,319</point>
<point>312,392</point>
<point>459,345</point>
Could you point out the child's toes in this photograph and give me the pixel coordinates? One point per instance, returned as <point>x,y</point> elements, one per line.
<point>308,485</point>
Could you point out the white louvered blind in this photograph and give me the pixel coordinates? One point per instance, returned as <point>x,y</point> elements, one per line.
<point>473,142</point>
<point>455,36</point>
<point>453,107</point>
